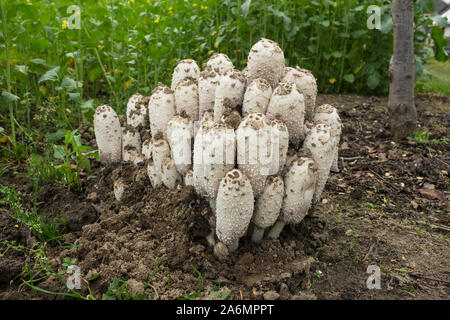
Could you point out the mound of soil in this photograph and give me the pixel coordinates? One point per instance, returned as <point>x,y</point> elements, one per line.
<point>387,207</point>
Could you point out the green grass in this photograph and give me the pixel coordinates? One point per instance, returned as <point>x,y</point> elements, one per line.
<point>438,79</point>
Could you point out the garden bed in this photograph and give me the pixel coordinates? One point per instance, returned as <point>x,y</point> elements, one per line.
<point>387,207</point>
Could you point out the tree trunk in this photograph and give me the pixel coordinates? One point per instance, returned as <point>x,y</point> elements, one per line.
<point>402,110</point>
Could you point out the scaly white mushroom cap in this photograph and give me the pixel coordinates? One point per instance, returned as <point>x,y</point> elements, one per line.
<point>327,114</point>
<point>180,132</point>
<point>320,143</point>
<point>234,207</point>
<point>288,105</point>
<point>108,134</point>
<point>266,60</point>
<point>214,156</point>
<point>155,178</point>
<point>257,97</point>
<point>131,144</point>
<point>161,108</point>
<point>220,63</point>
<point>299,184</point>
<point>160,151</point>
<point>119,187</point>
<point>280,143</point>
<point>269,203</point>
<point>137,109</point>
<point>146,149</point>
<point>169,174</point>
<point>306,85</point>
<point>255,154</point>
<point>229,93</point>
<point>185,69</point>
<point>207,84</point>
<point>186,98</point>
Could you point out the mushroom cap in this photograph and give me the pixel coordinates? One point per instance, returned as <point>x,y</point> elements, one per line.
<point>137,109</point>
<point>288,105</point>
<point>268,205</point>
<point>207,84</point>
<point>255,150</point>
<point>266,60</point>
<point>306,84</point>
<point>187,68</point>
<point>161,108</point>
<point>180,131</point>
<point>108,134</point>
<point>214,156</point>
<point>234,207</point>
<point>229,93</point>
<point>131,144</point>
<point>257,97</point>
<point>220,63</point>
<point>186,98</point>
<point>321,144</point>
<point>327,114</point>
<point>299,185</point>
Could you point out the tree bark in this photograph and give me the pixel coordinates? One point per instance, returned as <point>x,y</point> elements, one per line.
<point>402,110</point>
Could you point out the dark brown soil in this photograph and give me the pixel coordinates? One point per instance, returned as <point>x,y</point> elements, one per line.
<point>387,207</point>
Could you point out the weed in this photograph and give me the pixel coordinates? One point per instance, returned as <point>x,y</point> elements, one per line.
<point>422,135</point>
<point>119,289</point>
<point>193,295</point>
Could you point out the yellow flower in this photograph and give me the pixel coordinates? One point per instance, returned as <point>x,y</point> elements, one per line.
<point>20,70</point>
<point>335,4</point>
<point>28,1</point>
<point>216,44</point>
<point>100,47</point>
<point>64,24</point>
<point>16,225</point>
<point>210,52</point>
<point>171,11</point>
<point>43,90</point>
<point>332,80</point>
<point>157,20</point>
<point>148,1</point>
<point>203,7</point>
<point>213,33</point>
<point>128,83</point>
<point>194,5</point>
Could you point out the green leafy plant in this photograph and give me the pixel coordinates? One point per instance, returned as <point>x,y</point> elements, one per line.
<point>120,290</point>
<point>72,151</point>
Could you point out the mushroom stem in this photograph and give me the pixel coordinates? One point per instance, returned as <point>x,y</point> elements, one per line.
<point>258,234</point>
<point>274,233</point>
<point>233,246</point>
<point>210,238</point>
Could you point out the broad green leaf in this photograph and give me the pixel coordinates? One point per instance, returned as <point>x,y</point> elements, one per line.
<point>56,137</point>
<point>246,7</point>
<point>50,75</point>
<point>373,80</point>
<point>8,97</point>
<point>58,152</point>
<point>437,34</point>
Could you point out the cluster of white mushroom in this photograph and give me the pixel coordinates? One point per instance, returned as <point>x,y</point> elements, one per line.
<point>265,169</point>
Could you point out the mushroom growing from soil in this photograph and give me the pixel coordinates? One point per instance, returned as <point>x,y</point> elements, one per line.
<point>214,156</point>
<point>108,134</point>
<point>160,151</point>
<point>257,97</point>
<point>268,206</point>
<point>220,63</point>
<point>207,84</point>
<point>153,175</point>
<point>180,131</point>
<point>137,109</point>
<point>288,105</point>
<point>187,68</point>
<point>306,84</point>
<point>321,145</point>
<point>131,145</point>
<point>169,173</point>
<point>234,208</point>
<point>254,150</point>
<point>299,185</point>
<point>327,114</point>
<point>186,98</point>
<point>161,108</point>
<point>229,93</point>
<point>266,60</point>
